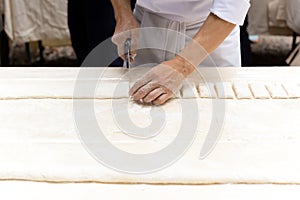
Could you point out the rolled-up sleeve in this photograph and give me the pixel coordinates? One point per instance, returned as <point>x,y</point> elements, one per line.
<point>233,11</point>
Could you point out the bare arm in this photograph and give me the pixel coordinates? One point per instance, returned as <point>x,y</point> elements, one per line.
<point>122,9</point>
<point>126,27</point>
<point>159,84</point>
<point>209,37</point>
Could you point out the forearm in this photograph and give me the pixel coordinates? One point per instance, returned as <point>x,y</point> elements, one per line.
<point>213,32</point>
<point>122,9</point>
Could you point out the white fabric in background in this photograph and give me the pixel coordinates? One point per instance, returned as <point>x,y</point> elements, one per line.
<point>1,6</point>
<point>195,10</point>
<point>258,17</point>
<point>293,14</point>
<point>266,14</point>
<point>277,13</point>
<point>32,20</point>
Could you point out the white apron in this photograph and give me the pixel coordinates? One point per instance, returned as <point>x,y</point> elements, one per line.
<point>226,55</point>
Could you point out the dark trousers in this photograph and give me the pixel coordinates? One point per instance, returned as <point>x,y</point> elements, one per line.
<point>1,23</point>
<point>246,52</point>
<point>4,44</point>
<point>90,23</point>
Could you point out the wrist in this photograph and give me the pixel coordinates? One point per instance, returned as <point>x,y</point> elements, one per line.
<point>182,66</point>
<point>124,15</point>
<point>193,54</point>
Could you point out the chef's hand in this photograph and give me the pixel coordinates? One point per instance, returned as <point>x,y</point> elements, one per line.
<point>161,82</point>
<point>127,27</point>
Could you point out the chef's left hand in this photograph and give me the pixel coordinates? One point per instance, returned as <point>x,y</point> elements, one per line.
<point>161,82</point>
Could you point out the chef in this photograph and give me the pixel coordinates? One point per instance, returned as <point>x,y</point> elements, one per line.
<point>213,26</point>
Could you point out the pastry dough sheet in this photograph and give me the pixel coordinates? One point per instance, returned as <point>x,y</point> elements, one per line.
<point>258,143</point>
<point>60,83</point>
<point>92,191</point>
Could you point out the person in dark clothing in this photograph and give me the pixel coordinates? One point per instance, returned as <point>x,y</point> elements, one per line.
<point>90,22</point>
<point>246,52</point>
<point>1,23</point>
<point>4,44</point>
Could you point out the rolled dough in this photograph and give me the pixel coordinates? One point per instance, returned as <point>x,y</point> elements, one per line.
<point>39,144</point>
<point>258,144</point>
<point>242,90</point>
<point>189,91</point>
<point>277,91</point>
<point>207,90</point>
<point>259,91</point>
<point>224,90</point>
<point>293,90</point>
<point>92,191</point>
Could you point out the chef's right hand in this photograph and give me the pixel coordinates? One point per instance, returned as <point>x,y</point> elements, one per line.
<point>127,28</point>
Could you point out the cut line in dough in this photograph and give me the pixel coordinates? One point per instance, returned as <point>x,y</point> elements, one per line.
<point>259,91</point>
<point>189,91</point>
<point>242,90</point>
<point>224,90</point>
<point>207,90</point>
<point>293,90</point>
<point>276,90</point>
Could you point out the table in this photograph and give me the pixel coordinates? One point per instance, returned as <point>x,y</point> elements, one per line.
<point>256,156</point>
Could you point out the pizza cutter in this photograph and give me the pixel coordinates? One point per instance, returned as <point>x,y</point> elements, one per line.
<point>127,47</point>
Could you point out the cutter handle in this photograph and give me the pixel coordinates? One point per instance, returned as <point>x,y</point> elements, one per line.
<point>127,47</point>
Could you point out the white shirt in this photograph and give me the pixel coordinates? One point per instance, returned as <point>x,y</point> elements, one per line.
<point>233,11</point>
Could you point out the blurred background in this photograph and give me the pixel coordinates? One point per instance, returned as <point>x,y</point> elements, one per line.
<point>37,32</point>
